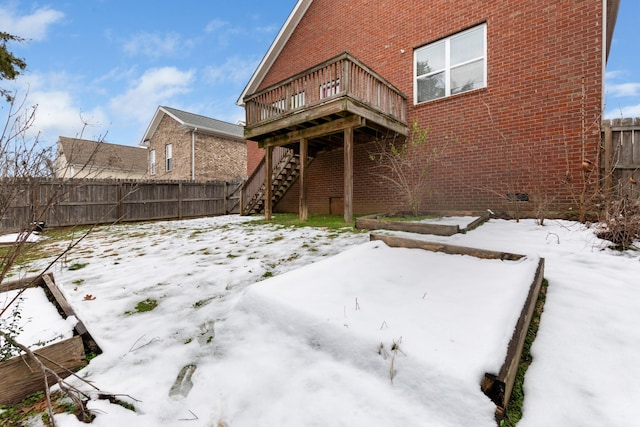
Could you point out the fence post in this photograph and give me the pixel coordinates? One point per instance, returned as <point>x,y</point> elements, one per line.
<point>180,200</point>
<point>242,197</point>
<point>226,198</point>
<point>608,161</point>
<point>119,195</point>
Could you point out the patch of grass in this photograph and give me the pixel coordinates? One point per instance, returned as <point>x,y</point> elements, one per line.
<point>331,222</point>
<point>125,405</point>
<point>203,302</point>
<point>78,282</point>
<point>195,233</point>
<point>78,266</point>
<point>267,274</point>
<point>144,306</point>
<point>514,409</point>
<point>45,247</point>
<point>36,404</point>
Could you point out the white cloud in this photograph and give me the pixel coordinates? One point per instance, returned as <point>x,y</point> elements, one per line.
<point>614,74</point>
<point>622,111</point>
<point>623,89</point>
<point>58,112</point>
<point>215,25</point>
<point>223,31</point>
<point>235,70</point>
<point>33,26</point>
<point>58,115</point>
<point>155,87</point>
<point>155,45</point>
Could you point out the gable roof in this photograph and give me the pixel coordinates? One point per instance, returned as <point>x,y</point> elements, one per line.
<point>102,154</point>
<point>611,15</point>
<point>191,121</point>
<point>276,47</point>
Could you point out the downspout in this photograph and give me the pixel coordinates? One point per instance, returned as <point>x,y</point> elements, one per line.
<point>193,154</point>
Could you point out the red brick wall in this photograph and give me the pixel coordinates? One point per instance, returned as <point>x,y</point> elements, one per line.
<point>527,131</point>
<point>254,155</point>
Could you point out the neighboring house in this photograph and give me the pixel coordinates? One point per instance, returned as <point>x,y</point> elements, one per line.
<point>511,91</point>
<point>81,158</point>
<point>187,146</point>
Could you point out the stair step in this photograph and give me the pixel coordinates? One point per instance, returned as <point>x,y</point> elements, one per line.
<point>284,174</point>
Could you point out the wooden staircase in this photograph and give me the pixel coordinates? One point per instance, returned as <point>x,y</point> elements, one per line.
<point>285,172</point>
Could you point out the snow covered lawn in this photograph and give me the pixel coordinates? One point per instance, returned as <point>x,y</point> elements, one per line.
<point>300,350</point>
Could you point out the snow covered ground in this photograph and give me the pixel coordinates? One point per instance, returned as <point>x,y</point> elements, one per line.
<point>319,345</point>
<point>39,320</point>
<point>9,239</point>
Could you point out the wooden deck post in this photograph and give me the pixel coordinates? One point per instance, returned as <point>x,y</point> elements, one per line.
<point>268,181</point>
<point>303,209</point>
<point>348,174</point>
<point>608,162</point>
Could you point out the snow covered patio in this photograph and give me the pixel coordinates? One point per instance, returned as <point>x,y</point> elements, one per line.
<point>298,349</point>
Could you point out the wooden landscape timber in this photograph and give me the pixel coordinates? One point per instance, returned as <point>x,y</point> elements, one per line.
<point>374,222</point>
<point>497,386</point>
<point>20,377</point>
<point>402,242</point>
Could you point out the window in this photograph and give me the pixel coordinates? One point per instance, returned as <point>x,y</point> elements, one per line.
<point>169,156</point>
<point>453,65</point>
<point>152,162</point>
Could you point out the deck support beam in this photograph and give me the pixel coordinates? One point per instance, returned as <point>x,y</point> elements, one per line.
<point>303,209</point>
<point>348,174</point>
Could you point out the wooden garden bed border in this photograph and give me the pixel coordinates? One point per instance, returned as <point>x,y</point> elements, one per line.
<point>373,222</point>
<point>497,387</point>
<point>19,377</point>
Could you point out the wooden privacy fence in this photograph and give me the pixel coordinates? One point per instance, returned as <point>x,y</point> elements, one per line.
<point>621,157</point>
<point>62,203</point>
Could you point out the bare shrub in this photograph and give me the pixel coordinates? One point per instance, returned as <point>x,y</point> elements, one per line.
<point>621,223</point>
<point>404,164</point>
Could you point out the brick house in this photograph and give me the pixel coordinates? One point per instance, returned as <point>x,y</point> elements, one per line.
<point>187,146</point>
<point>82,158</point>
<point>511,94</point>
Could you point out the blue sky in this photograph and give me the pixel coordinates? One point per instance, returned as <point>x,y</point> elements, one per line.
<point>622,88</point>
<point>111,63</point>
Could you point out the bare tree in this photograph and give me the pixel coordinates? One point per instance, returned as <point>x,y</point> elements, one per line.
<point>23,161</point>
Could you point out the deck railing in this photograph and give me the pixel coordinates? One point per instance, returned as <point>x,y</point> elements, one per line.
<point>253,185</point>
<point>341,76</point>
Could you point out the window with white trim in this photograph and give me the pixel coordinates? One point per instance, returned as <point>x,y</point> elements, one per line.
<point>169,157</point>
<point>152,162</point>
<point>453,65</point>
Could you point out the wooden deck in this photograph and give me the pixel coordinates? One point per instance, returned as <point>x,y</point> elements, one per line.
<point>318,103</point>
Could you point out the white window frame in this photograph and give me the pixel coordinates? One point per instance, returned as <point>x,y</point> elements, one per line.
<point>168,151</point>
<point>152,162</point>
<point>448,67</point>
